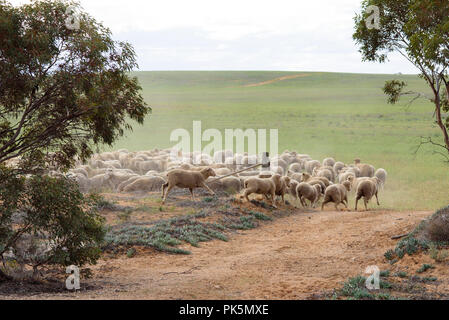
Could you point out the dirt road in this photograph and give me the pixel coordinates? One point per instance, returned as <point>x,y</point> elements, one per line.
<point>294,257</point>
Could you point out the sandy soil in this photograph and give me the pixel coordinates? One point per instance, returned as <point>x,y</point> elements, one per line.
<point>295,257</point>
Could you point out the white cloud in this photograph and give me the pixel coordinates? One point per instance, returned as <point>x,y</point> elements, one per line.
<point>239,34</point>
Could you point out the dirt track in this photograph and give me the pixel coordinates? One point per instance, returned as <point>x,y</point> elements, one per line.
<point>294,257</point>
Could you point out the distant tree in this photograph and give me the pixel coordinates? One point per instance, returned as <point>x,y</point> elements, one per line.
<point>419,31</point>
<point>64,83</point>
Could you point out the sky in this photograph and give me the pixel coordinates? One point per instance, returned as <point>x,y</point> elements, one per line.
<point>283,35</point>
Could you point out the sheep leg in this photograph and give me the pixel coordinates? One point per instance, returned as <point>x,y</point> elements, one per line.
<point>356,201</point>
<point>191,192</point>
<point>166,193</point>
<point>366,202</point>
<point>163,189</point>
<point>273,200</point>
<point>246,194</point>
<point>377,200</point>
<point>208,189</point>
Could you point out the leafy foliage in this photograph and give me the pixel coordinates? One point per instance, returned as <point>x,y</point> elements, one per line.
<point>47,220</point>
<point>62,91</point>
<point>419,31</point>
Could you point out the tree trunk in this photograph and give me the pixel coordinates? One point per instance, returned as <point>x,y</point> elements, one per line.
<point>440,121</point>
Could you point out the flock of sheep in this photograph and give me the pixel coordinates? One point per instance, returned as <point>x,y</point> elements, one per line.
<point>290,173</point>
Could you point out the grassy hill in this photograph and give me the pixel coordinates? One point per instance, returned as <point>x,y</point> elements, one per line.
<point>322,114</point>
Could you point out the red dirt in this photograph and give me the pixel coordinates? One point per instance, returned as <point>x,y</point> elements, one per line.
<point>293,257</point>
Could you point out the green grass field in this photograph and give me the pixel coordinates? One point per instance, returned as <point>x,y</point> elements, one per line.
<point>322,114</point>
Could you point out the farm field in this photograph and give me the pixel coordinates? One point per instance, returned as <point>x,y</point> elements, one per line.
<point>322,114</point>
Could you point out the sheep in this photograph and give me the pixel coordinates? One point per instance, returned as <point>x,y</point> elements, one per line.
<point>296,176</point>
<point>229,184</point>
<point>100,181</point>
<point>278,162</point>
<point>147,184</point>
<point>223,171</point>
<point>187,179</point>
<point>292,189</point>
<point>324,182</point>
<point>309,192</point>
<point>312,164</point>
<point>278,170</point>
<point>337,167</point>
<point>323,172</point>
<point>295,167</point>
<point>344,176</point>
<point>122,185</point>
<point>381,174</point>
<point>366,170</point>
<point>367,189</point>
<point>262,186</point>
<point>328,162</point>
<point>337,193</point>
<point>282,187</point>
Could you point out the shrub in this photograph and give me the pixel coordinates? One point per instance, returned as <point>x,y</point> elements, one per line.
<point>436,254</point>
<point>425,267</point>
<point>47,220</point>
<point>437,228</point>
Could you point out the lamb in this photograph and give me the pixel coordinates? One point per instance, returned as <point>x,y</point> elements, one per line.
<point>309,192</point>
<point>147,184</point>
<point>366,170</point>
<point>381,174</point>
<point>187,179</point>
<point>262,186</point>
<point>337,193</point>
<point>367,189</point>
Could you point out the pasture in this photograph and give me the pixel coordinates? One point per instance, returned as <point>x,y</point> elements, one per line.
<point>322,114</point>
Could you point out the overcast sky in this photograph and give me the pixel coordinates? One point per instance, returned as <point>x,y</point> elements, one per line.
<point>290,35</point>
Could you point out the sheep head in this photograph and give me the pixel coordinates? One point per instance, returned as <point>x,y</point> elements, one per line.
<point>208,172</point>
<point>347,185</point>
<point>305,177</point>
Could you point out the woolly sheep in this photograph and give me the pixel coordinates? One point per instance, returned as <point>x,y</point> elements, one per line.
<point>309,192</point>
<point>262,186</point>
<point>366,170</point>
<point>381,174</point>
<point>282,186</point>
<point>326,173</point>
<point>329,162</point>
<point>295,167</point>
<point>146,184</point>
<point>337,167</point>
<point>367,189</point>
<point>337,193</point>
<point>312,164</point>
<point>187,179</point>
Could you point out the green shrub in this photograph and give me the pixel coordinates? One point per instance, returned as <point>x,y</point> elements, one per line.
<point>48,221</point>
<point>425,267</point>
